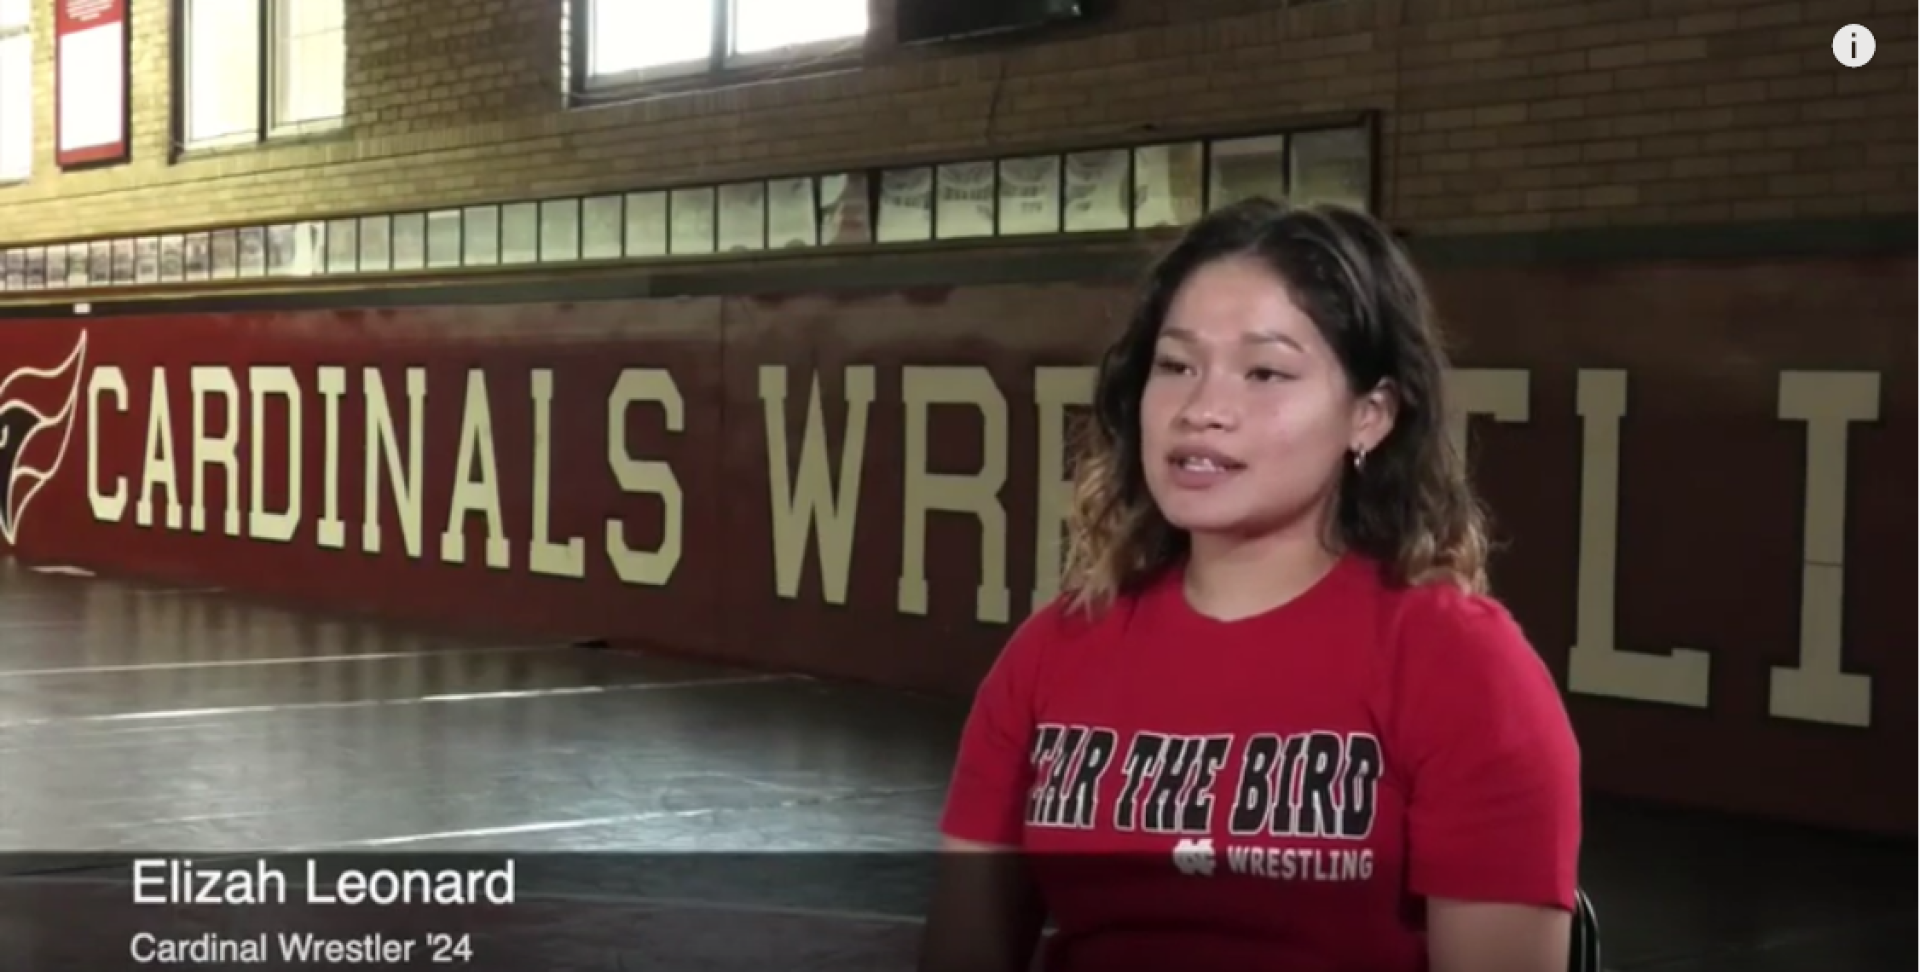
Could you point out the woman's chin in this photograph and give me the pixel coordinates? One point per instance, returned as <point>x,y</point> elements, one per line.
<point>1205,519</point>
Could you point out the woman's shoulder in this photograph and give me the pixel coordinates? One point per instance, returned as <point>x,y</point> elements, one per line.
<point>1446,603</point>
<point>1443,623</point>
<point>1465,677</point>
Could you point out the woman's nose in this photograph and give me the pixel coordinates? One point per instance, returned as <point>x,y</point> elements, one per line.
<point>1206,406</point>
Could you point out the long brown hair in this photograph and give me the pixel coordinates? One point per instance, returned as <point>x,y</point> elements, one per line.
<point>1411,506</point>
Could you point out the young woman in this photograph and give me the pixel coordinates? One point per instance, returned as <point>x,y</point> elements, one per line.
<point>1274,721</point>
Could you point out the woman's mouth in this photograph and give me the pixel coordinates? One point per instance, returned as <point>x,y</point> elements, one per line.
<point>1200,468</point>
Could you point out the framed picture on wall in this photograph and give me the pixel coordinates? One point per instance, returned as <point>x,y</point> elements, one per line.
<point>906,205</point>
<point>409,241</point>
<point>173,259</point>
<point>280,250</point>
<point>560,230</point>
<point>1333,166</point>
<point>343,246</point>
<point>146,257</point>
<point>1029,200</point>
<point>790,214</point>
<point>481,235</point>
<point>1167,185</point>
<point>691,223</point>
<point>224,254</point>
<point>646,224</point>
<point>519,233</point>
<point>1099,191</point>
<point>197,258</point>
<point>443,238</point>
<point>601,221</point>
<point>376,243</point>
<point>964,200</point>
<point>743,217</point>
<point>79,265</point>
<point>253,251</point>
<point>1246,168</point>
<point>846,211</point>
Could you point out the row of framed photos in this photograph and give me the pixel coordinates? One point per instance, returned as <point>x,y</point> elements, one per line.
<point>1104,190</point>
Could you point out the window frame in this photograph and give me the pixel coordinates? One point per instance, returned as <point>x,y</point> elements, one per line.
<point>24,30</point>
<point>719,61</point>
<point>266,126</point>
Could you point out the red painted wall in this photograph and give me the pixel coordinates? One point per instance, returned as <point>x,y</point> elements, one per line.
<point>1712,485</point>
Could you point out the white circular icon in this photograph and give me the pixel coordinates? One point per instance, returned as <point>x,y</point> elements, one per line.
<point>1853,45</point>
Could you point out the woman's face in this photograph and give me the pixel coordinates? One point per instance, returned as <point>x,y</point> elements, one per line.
<point>1247,418</point>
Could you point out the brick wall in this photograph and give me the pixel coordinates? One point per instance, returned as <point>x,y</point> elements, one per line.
<point>1498,114</point>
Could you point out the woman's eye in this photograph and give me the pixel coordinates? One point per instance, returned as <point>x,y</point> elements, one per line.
<point>1268,374</point>
<point>1168,366</point>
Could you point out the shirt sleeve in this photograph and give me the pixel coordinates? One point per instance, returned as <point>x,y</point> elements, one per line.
<point>1494,810</point>
<point>993,773</point>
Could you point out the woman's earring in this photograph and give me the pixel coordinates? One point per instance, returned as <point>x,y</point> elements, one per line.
<point>1359,459</point>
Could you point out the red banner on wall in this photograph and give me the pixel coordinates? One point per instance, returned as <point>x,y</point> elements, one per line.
<point>91,88</point>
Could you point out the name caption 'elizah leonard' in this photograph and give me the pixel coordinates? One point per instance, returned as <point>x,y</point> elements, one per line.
<point>178,882</point>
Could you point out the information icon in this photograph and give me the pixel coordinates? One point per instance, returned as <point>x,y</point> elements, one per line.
<point>1853,45</point>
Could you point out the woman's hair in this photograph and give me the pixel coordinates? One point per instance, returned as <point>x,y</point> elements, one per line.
<point>1409,506</point>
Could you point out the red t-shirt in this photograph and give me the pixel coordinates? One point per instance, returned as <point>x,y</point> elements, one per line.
<point>1278,792</point>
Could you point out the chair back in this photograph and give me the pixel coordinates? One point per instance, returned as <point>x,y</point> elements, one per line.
<point>1585,952</point>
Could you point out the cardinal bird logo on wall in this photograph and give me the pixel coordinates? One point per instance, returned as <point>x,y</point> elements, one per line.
<point>37,409</point>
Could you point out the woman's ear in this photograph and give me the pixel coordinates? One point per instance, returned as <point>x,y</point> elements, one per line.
<point>1373,416</point>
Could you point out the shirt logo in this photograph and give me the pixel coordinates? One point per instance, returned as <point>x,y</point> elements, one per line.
<point>1194,858</point>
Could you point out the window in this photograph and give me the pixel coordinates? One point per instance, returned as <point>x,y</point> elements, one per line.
<point>767,26</point>
<point>16,90</point>
<point>635,40</point>
<point>309,61</point>
<point>238,91</point>
<point>222,51</point>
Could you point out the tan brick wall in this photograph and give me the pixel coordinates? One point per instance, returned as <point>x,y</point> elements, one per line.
<point>1498,114</point>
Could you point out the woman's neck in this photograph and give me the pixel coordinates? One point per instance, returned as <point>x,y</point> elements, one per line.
<point>1229,578</point>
